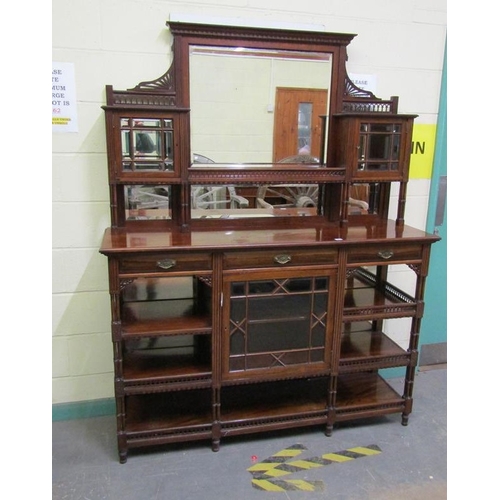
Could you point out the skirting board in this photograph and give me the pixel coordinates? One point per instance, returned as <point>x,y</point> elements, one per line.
<point>83,409</point>
<point>433,354</point>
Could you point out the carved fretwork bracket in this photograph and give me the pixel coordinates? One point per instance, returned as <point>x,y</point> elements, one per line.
<point>351,90</point>
<point>351,271</point>
<point>357,100</point>
<point>157,93</point>
<point>126,282</point>
<point>164,84</point>
<point>417,268</point>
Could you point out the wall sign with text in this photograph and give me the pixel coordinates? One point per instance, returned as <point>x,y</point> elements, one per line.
<point>64,117</point>
<point>422,150</point>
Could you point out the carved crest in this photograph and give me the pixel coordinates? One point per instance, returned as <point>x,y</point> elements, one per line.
<point>165,83</point>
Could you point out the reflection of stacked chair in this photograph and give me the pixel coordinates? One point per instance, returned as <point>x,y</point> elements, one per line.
<point>298,195</point>
<point>146,197</point>
<point>215,196</point>
<point>290,195</point>
<point>360,193</point>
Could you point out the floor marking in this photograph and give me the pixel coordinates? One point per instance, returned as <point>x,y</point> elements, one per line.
<point>277,458</point>
<point>289,485</point>
<point>267,473</point>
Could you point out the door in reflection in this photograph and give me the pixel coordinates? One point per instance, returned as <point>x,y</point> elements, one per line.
<point>297,122</point>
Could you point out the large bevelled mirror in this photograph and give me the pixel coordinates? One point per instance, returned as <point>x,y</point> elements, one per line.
<point>253,107</point>
<point>257,106</point>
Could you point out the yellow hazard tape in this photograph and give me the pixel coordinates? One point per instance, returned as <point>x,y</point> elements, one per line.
<point>365,451</point>
<point>264,484</point>
<point>289,485</point>
<point>336,458</point>
<point>267,474</point>
<point>304,464</point>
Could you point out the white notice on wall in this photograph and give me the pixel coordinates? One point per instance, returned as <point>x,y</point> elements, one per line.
<point>365,82</point>
<point>64,117</point>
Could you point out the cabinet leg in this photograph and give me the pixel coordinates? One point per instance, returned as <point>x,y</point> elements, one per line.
<point>406,413</point>
<point>216,435</point>
<point>122,447</point>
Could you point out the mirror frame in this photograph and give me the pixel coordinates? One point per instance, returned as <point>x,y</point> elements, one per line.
<point>334,45</point>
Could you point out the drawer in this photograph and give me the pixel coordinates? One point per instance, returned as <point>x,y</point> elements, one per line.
<point>385,253</point>
<point>169,262</point>
<point>284,257</point>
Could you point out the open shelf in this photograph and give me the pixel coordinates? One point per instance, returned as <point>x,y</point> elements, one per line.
<point>167,363</point>
<point>362,350</point>
<point>142,372</point>
<point>156,415</point>
<point>274,402</point>
<point>365,394</point>
<point>162,317</point>
<point>363,298</point>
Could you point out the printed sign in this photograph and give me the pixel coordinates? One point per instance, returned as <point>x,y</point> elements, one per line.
<point>365,82</point>
<point>64,117</point>
<point>422,150</point>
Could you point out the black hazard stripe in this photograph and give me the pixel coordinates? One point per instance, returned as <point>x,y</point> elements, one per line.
<point>266,474</point>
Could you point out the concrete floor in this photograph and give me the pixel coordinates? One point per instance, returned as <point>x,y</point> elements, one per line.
<point>412,463</point>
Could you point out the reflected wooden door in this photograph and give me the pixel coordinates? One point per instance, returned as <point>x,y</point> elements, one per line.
<point>297,122</point>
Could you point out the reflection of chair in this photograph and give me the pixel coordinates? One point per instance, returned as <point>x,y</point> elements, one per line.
<point>146,197</point>
<point>359,193</point>
<point>215,196</point>
<point>144,143</point>
<point>296,195</point>
<point>290,195</point>
<point>201,159</point>
<point>300,159</point>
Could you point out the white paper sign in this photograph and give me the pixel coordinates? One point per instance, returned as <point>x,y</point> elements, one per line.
<point>64,117</point>
<point>365,82</point>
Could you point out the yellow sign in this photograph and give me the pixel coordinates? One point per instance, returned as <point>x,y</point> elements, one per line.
<point>60,121</point>
<point>422,150</point>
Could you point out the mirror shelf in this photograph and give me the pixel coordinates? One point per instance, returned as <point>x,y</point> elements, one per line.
<point>264,173</point>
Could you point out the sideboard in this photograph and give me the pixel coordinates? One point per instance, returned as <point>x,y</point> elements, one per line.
<point>234,314</point>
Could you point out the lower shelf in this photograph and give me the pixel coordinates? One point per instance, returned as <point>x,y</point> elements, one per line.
<point>364,394</point>
<point>365,350</point>
<point>174,416</point>
<point>274,405</point>
<point>153,419</point>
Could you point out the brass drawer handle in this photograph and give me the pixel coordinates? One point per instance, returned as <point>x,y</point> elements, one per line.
<point>282,258</point>
<point>166,263</point>
<point>386,254</point>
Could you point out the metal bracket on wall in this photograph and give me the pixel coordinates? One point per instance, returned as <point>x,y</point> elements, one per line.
<point>441,203</point>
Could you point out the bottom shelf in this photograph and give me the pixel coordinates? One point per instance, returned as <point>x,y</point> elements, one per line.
<point>274,405</point>
<point>365,394</point>
<point>160,418</point>
<point>165,417</point>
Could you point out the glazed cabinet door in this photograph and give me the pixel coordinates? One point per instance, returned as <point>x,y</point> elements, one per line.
<point>277,323</point>
<point>374,148</point>
<point>145,145</point>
